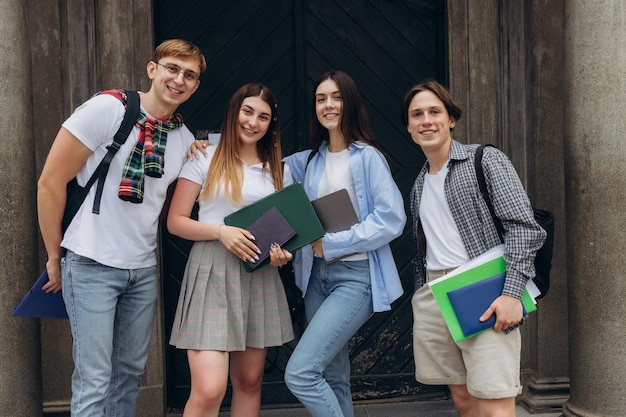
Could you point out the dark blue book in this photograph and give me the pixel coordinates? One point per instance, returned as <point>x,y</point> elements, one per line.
<point>37,303</point>
<point>270,228</point>
<point>294,206</point>
<point>471,301</point>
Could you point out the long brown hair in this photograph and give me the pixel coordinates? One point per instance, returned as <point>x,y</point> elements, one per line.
<point>355,124</point>
<point>226,169</point>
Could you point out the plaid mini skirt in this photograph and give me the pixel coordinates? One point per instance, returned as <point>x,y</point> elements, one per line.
<point>223,307</point>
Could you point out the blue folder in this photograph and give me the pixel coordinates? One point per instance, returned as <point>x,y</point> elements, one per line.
<point>37,303</point>
<point>471,301</point>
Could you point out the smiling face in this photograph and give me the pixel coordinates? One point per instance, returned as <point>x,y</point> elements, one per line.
<point>328,105</point>
<point>254,119</point>
<point>429,122</point>
<point>172,88</point>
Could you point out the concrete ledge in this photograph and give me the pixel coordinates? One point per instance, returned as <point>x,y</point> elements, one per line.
<point>545,395</point>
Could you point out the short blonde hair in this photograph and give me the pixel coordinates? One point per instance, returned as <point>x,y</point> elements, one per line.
<point>179,48</point>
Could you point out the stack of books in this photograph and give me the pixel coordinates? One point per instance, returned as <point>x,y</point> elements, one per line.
<point>285,217</point>
<point>464,294</point>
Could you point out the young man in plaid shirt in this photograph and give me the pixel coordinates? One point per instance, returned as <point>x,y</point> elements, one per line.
<point>452,225</point>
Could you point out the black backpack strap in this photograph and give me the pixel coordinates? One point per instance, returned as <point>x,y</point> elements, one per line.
<point>130,117</point>
<point>482,185</point>
<point>311,155</point>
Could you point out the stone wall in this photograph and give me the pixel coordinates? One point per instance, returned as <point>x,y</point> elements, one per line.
<point>542,80</point>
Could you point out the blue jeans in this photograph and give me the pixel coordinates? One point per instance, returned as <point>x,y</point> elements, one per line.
<point>111,314</point>
<point>338,302</point>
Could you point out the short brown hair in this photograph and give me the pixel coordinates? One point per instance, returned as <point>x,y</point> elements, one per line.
<point>179,48</point>
<point>437,89</point>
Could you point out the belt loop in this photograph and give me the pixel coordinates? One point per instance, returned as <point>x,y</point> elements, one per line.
<point>433,274</point>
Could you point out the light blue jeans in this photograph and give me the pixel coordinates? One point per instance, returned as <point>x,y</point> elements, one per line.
<point>111,314</point>
<point>338,302</point>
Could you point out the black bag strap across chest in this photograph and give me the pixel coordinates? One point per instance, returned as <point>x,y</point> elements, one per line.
<point>130,117</point>
<point>482,186</point>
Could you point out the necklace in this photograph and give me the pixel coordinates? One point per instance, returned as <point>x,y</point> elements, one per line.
<point>251,161</point>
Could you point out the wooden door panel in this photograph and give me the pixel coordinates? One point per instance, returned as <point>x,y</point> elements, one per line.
<point>386,46</point>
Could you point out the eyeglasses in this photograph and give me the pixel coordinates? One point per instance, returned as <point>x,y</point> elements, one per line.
<point>174,70</point>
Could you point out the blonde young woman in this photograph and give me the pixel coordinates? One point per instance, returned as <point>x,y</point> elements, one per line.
<point>227,317</point>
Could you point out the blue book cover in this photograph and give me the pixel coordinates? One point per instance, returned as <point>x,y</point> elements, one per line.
<point>37,303</point>
<point>485,266</point>
<point>471,301</point>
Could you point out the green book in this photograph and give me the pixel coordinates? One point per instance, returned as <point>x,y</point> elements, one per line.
<point>294,205</point>
<point>480,271</point>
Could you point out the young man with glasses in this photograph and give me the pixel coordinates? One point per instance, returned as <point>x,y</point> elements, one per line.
<point>106,262</point>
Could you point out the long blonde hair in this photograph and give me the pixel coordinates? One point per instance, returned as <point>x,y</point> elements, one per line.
<point>226,169</point>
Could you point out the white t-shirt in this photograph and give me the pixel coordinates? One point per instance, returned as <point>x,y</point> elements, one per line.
<point>256,185</point>
<point>444,248</point>
<point>337,175</point>
<point>124,234</point>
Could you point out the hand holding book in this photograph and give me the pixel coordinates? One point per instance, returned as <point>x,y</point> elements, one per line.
<point>294,206</point>
<point>269,230</point>
<point>473,299</point>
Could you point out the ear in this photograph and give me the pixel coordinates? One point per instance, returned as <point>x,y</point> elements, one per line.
<point>151,69</point>
<point>196,87</point>
<point>452,122</point>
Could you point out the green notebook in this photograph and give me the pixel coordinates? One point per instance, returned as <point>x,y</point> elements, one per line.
<point>295,207</point>
<point>442,286</point>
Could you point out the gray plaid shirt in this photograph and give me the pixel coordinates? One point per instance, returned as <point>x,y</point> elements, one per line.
<point>523,236</point>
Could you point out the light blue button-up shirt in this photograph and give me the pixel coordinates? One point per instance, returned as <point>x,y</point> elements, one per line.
<point>381,210</point>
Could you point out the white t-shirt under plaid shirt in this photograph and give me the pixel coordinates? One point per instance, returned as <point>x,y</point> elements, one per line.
<point>445,248</point>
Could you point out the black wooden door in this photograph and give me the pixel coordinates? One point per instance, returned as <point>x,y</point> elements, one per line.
<point>386,46</point>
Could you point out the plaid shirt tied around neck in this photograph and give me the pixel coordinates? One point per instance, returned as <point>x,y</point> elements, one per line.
<point>147,156</point>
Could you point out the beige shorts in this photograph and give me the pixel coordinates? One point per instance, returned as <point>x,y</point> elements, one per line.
<point>488,363</point>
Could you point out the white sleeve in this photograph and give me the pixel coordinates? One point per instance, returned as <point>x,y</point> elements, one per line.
<point>196,169</point>
<point>95,121</point>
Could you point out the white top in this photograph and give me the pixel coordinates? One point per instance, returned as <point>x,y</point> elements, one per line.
<point>124,234</point>
<point>444,248</point>
<point>256,184</point>
<point>337,175</point>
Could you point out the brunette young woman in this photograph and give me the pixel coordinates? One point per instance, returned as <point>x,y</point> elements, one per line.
<point>346,276</point>
<point>227,317</point>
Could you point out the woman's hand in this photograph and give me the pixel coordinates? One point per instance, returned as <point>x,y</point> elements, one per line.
<point>239,242</point>
<point>318,250</point>
<point>279,256</point>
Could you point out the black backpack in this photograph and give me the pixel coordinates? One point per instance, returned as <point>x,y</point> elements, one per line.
<point>543,259</point>
<point>77,194</point>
